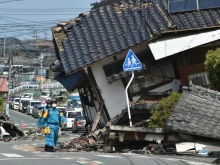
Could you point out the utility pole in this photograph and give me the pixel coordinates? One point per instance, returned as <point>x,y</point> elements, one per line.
<point>4,49</point>
<point>9,81</point>
<point>41,73</point>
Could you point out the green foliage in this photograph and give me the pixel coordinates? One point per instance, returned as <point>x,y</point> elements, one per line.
<point>212,66</point>
<point>163,110</point>
<point>1,104</point>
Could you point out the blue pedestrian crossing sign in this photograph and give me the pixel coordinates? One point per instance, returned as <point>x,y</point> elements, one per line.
<point>131,62</point>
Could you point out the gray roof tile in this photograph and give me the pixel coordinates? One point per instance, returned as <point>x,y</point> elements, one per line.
<point>195,115</point>
<point>110,28</point>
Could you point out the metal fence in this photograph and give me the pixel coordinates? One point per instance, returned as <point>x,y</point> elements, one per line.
<point>30,86</point>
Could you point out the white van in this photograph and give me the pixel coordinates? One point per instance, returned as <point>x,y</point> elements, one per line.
<point>70,117</point>
<point>31,106</point>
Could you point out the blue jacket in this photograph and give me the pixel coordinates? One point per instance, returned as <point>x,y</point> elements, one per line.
<point>54,117</point>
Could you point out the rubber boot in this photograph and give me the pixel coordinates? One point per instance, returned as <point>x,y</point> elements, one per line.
<point>46,148</point>
<point>51,149</point>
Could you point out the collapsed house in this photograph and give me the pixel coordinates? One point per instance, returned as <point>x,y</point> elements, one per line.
<point>170,41</point>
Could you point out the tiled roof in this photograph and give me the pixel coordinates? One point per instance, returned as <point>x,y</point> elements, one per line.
<point>3,85</point>
<point>197,113</point>
<point>20,45</point>
<point>109,29</point>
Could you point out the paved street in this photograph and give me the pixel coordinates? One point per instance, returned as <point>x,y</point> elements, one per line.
<point>18,117</point>
<point>10,155</point>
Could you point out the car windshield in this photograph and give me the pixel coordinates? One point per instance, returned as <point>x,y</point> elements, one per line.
<point>27,95</point>
<point>24,102</point>
<point>45,94</point>
<point>73,114</point>
<point>17,100</point>
<point>40,108</point>
<point>80,118</point>
<point>34,103</point>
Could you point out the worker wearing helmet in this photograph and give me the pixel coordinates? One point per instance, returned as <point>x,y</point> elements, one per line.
<point>39,123</point>
<point>51,121</point>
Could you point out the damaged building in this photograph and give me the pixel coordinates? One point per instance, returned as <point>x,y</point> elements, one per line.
<point>170,41</point>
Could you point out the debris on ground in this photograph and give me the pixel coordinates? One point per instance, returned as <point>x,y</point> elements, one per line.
<point>11,128</point>
<point>84,143</point>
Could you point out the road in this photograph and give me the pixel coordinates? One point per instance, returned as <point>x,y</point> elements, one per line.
<point>10,155</point>
<point>18,117</point>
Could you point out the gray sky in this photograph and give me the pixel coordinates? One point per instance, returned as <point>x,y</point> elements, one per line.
<point>20,18</point>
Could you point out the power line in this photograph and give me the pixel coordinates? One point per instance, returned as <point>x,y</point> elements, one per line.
<point>36,14</point>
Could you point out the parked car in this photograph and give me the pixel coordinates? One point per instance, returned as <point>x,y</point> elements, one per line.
<point>79,124</point>
<point>37,109</point>
<point>11,101</point>
<point>70,117</point>
<point>16,104</point>
<point>31,106</point>
<point>23,105</point>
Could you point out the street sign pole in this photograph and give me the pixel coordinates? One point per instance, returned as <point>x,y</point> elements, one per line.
<point>131,64</point>
<point>126,93</point>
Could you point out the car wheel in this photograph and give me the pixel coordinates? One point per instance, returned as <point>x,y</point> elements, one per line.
<point>74,129</point>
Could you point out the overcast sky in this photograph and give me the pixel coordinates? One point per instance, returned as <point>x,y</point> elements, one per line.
<point>20,18</point>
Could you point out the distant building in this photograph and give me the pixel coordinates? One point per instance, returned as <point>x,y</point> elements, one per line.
<point>3,87</point>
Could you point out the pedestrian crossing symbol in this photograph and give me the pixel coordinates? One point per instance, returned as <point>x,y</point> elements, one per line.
<point>131,62</point>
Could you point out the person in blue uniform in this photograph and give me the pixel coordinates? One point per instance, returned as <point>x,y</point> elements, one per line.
<point>51,120</point>
<point>39,123</point>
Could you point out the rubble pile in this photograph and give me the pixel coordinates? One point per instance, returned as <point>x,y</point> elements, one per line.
<point>191,129</point>
<point>84,143</point>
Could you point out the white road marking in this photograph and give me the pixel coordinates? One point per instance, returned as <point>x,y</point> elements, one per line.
<point>81,162</point>
<point>196,163</point>
<point>84,159</point>
<point>11,155</point>
<point>66,158</point>
<point>130,154</point>
<point>33,124</point>
<point>109,156</point>
<point>17,124</point>
<point>98,162</point>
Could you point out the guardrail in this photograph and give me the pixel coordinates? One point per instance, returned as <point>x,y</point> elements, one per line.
<point>53,85</point>
<point>29,86</point>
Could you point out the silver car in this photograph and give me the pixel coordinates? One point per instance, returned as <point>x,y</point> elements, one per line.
<point>79,124</point>
<point>37,110</point>
<point>31,106</point>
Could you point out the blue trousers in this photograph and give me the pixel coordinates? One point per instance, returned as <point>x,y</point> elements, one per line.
<point>51,139</point>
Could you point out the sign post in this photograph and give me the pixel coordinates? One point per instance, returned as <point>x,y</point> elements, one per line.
<point>131,64</point>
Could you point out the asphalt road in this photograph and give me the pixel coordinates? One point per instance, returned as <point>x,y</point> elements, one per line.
<point>10,155</point>
<point>18,117</point>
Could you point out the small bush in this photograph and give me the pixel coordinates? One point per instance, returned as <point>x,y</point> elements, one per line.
<point>163,110</point>
<point>212,66</point>
<point>1,104</point>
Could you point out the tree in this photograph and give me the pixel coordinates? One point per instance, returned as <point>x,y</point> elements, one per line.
<point>212,66</point>
<point>163,110</point>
